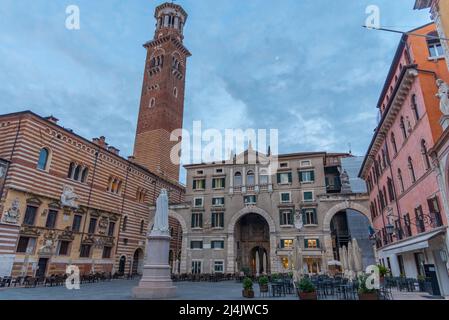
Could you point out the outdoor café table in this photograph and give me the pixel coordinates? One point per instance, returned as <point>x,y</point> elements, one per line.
<point>277,289</point>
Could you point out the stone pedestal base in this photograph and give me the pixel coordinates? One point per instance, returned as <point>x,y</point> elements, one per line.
<point>156,281</point>
<point>444,122</point>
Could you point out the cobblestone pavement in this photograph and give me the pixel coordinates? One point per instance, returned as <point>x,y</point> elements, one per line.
<point>121,290</point>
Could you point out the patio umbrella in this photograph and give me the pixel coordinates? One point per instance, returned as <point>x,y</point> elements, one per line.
<point>358,263</point>
<point>265,263</point>
<point>257,263</point>
<point>350,259</point>
<point>344,259</point>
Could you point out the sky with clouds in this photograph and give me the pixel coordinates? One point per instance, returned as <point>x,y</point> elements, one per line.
<point>305,67</point>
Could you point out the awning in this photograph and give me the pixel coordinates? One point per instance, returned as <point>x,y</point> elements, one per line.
<point>414,244</point>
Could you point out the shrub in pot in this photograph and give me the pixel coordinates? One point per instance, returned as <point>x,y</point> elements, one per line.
<point>248,291</point>
<point>383,272</point>
<point>306,289</point>
<point>263,284</point>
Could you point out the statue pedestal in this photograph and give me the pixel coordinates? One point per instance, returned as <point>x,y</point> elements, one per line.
<point>444,122</point>
<point>156,281</point>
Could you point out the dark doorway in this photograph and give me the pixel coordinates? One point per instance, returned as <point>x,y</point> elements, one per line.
<point>137,261</point>
<point>121,265</point>
<point>41,267</point>
<point>431,274</point>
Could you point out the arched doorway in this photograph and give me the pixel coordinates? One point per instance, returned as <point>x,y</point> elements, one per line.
<point>252,243</point>
<point>350,224</point>
<point>122,265</point>
<point>137,262</point>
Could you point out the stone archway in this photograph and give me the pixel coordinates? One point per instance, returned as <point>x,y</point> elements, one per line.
<point>340,207</point>
<point>231,249</point>
<point>137,264</point>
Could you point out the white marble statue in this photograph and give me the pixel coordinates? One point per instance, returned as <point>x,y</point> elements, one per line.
<point>443,95</point>
<point>13,213</point>
<point>161,218</point>
<point>298,220</point>
<point>69,197</point>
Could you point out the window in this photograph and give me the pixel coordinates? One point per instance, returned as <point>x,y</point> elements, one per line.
<point>393,143</point>
<point>141,195</point>
<point>311,243</point>
<point>218,183</point>
<point>111,229</point>
<point>285,197</point>
<point>286,243</point>
<point>84,175</point>
<point>142,228</point>
<point>199,184</point>
<point>308,196</point>
<point>200,172</point>
<point>26,245</point>
<point>217,220</point>
<point>390,189</point>
<point>92,225</point>
<point>77,172</point>
<point>51,219</point>
<point>217,244</point>
<point>218,266</point>
<point>196,267</point>
<point>76,175</point>
<point>152,102</point>
<point>309,217</point>
<point>43,159</point>
<point>403,130</point>
<point>30,216</point>
<point>250,200</point>
<point>434,210</point>
<point>107,252</point>
<point>434,45</point>
<point>284,178</point>
<point>419,216</point>
<point>76,225</point>
<point>125,223</point>
<point>175,92</point>
<point>218,202</point>
<point>263,179</point>
<point>425,154</point>
<point>114,185</point>
<point>198,202</point>
<point>238,179</point>
<point>250,178</point>
<point>305,163</point>
<point>63,249</point>
<point>283,165</point>
<point>411,170</point>
<point>306,176</point>
<point>71,170</point>
<point>407,225</point>
<point>198,244</point>
<point>415,107</point>
<point>197,220</point>
<point>401,265</point>
<point>218,170</point>
<point>85,250</point>
<point>286,218</point>
<point>401,181</point>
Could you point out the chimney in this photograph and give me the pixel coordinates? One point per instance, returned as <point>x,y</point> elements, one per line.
<point>52,119</point>
<point>100,142</point>
<point>113,150</point>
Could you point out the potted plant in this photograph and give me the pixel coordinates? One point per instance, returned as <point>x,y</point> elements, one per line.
<point>383,271</point>
<point>306,290</point>
<point>364,292</point>
<point>263,284</point>
<point>422,283</point>
<point>248,291</point>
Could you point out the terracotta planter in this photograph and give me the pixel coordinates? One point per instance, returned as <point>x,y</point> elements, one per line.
<point>368,296</point>
<point>308,296</point>
<point>248,293</point>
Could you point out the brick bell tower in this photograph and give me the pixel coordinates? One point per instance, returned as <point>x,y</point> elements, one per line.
<point>162,101</point>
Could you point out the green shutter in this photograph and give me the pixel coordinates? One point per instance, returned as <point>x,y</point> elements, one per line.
<point>201,220</point>
<point>300,176</point>
<point>312,175</point>
<point>279,177</point>
<point>213,183</point>
<point>315,218</point>
<point>213,220</point>
<point>304,220</point>
<point>318,243</point>
<point>193,220</point>
<point>290,177</point>
<point>282,244</point>
<point>204,181</point>
<point>306,244</point>
<point>194,185</point>
<point>223,180</point>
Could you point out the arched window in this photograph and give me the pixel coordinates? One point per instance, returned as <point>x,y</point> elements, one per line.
<point>384,159</point>
<point>119,187</point>
<point>401,180</point>
<point>393,143</point>
<point>250,181</point>
<point>403,129</point>
<point>142,226</point>
<point>425,154</point>
<point>238,179</point>
<point>43,159</point>
<point>110,182</point>
<point>412,170</point>
<point>76,175</point>
<point>114,185</point>
<point>71,169</point>
<point>125,223</point>
<point>385,196</point>
<point>84,174</point>
<point>415,107</point>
